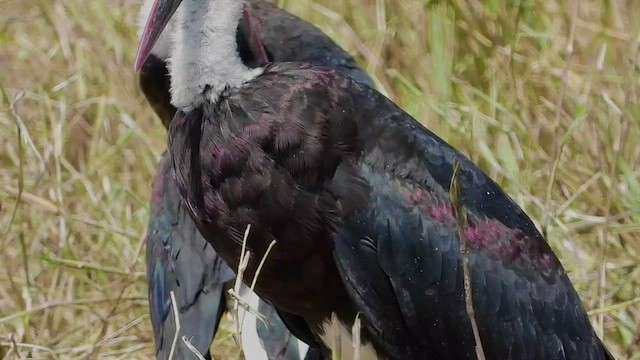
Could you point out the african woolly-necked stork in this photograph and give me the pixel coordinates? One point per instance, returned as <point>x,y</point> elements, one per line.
<point>354,192</point>
<point>178,258</point>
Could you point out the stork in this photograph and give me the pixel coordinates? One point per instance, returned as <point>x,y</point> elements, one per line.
<point>353,191</point>
<point>178,258</point>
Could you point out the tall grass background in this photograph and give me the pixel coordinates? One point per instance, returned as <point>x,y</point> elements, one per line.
<point>541,94</point>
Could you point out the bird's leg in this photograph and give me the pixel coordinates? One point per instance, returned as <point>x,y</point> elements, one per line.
<point>258,46</point>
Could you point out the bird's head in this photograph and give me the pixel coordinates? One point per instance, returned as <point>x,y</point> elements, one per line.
<point>159,14</point>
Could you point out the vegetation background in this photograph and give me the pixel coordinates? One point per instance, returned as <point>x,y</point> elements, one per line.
<point>542,94</point>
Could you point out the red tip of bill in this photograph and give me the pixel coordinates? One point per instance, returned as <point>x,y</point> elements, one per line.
<point>149,37</point>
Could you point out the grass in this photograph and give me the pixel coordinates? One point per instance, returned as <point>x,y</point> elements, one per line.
<point>542,94</point>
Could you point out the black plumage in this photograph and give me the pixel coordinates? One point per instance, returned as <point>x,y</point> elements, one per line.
<point>355,193</point>
<point>363,184</point>
<point>286,37</point>
<point>178,258</point>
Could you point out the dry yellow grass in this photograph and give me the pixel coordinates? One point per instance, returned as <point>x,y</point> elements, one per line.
<point>542,94</point>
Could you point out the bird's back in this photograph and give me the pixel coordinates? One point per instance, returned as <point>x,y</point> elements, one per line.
<point>338,157</point>
<point>289,38</point>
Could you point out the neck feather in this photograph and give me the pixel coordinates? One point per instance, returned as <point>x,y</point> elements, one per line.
<point>205,58</point>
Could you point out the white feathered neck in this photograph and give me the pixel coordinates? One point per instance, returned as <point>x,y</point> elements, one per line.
<point>205,59</point>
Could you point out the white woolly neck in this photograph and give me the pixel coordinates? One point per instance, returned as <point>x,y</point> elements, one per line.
<point>162,48</point>
<point>205,59</point>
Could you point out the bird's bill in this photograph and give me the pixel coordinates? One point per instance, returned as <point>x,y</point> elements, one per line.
<point>159,17</point>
